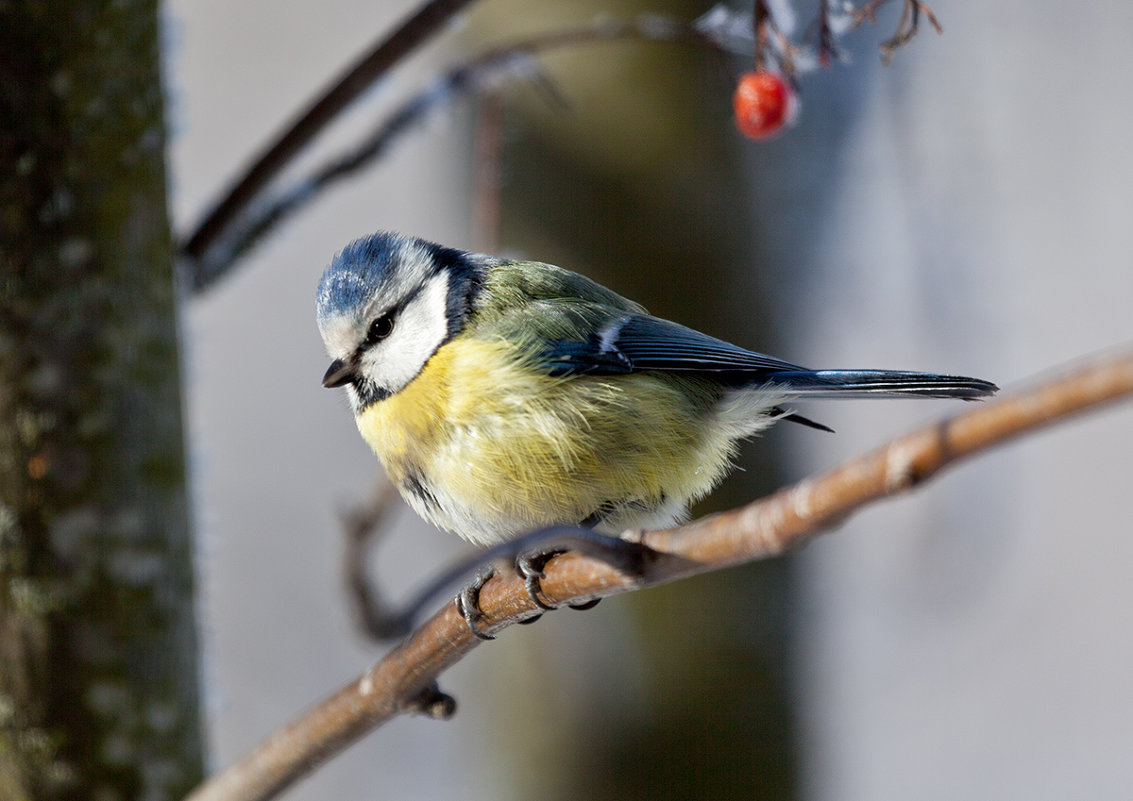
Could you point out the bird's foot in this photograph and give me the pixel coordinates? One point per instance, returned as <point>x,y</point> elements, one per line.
<point>530,566</point>
<point>531,555</point>
<point>468,601</point>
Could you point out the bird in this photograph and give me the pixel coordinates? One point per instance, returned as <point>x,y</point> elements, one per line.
<point>503,396</point>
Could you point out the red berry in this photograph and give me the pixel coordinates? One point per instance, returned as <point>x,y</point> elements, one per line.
<point>763,104</point>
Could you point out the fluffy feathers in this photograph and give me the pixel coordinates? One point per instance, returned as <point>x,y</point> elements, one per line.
<point>507,396</point>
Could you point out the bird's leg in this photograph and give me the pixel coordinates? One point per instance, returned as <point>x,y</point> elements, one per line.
<point>530,568</point>
<point>531,553</point>
<point>625,556</point>
<point>468,601</point>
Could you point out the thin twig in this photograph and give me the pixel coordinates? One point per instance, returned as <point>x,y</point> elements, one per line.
<point>404,680</point>
<point>240,218</point>
<point>828,50</point>
<point>906,28</point>
<point>487,178</point>
<point>774,50</point>
<point>362,525</point>
<point>418,28</point>
<point>242,229</point>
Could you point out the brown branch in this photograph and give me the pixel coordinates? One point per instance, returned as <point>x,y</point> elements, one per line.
<point>906,29</point>
<point>425,22</point>
<point>487,171</point>
<point>363,525</point>
<point>231,234</point>
<point>404,680</point>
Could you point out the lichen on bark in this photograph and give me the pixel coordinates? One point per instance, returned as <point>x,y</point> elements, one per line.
<point>98,648</point>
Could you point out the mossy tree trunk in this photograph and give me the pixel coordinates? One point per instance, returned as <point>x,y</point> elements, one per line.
<point>98,650</point>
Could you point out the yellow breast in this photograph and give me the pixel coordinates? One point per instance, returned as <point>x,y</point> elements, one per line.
<point>504,450</point>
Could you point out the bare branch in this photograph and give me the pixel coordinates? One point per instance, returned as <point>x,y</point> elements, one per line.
<point>486,176</point>
<point>362,525</point>
<point>239,219</point>
<point>906,29</point>
<point>246,224</point>
<point>404,680</point>
<point>415,30</point>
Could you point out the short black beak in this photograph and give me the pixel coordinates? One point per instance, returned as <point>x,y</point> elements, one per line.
<point>338,373</point>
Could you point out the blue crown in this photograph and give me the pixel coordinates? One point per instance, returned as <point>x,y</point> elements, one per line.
<point>359,271</point>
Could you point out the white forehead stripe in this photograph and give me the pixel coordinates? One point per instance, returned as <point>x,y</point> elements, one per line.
<point>414,264</point>
<point>372,272</point>
<point>340,335</point>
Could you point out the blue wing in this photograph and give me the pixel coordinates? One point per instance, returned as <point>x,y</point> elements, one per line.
<point>637,342</point>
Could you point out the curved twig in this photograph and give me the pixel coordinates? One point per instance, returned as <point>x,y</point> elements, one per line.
<point>242,216</point>
<point>405,679</point>
<point>415,30</point>
<point>223,238</point>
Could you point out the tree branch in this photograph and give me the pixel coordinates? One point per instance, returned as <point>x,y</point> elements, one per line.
<point>247,212</point>
<point>243,219</point>
<point>364,524</point>
<point>906,29</point>
<point>426,21</point>
<point>404,680</point>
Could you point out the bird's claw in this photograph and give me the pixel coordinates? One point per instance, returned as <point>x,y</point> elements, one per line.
<point>624,555</point>
<point>468,602</point>
<point>582,607</point>
<point>530,568</point>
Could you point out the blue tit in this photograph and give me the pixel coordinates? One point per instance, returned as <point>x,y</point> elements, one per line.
<point>506,396</point>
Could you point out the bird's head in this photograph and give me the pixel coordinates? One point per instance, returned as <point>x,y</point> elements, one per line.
<point>386,303</point>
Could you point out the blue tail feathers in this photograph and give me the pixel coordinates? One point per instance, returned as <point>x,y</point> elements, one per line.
<point>878,383</point>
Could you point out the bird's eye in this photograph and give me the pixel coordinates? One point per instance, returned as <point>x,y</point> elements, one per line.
<point>381,328</point>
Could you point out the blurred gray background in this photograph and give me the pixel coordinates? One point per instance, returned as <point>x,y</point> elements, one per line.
<point>967,209</point>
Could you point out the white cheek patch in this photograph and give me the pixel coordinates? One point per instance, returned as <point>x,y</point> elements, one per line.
<point>419,329</point>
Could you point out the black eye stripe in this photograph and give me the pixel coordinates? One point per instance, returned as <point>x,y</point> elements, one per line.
<point>382,327</point>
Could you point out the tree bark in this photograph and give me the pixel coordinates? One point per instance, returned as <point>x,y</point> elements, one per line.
<point>98,646</point>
